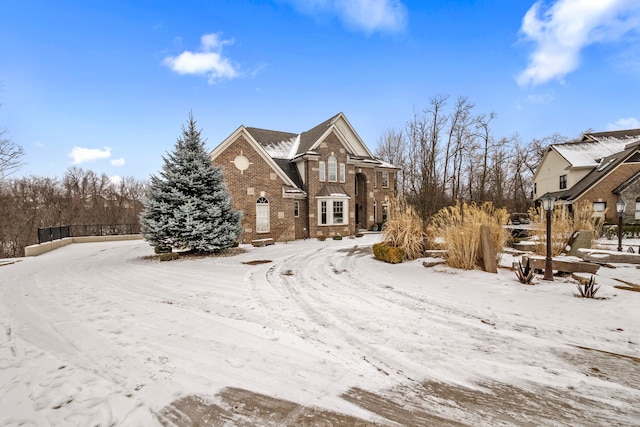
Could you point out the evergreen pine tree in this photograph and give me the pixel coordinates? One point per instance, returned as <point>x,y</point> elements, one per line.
<point>187,205</point>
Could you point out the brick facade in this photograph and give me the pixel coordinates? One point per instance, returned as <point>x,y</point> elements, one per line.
<point>263,178</point>
<point>603,191</point>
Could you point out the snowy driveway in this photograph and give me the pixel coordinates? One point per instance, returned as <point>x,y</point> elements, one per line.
<point>97,334</point>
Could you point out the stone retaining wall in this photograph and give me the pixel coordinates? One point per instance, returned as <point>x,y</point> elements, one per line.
<point>42,248</point>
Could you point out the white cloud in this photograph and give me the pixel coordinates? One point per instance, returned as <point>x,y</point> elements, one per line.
<point>366,15</point>
<point>118,162</point>
<point>38,144</point>
<point>208,60</point>
<point>82,155</point>
<point>626,123</point>
<point>561,30</point>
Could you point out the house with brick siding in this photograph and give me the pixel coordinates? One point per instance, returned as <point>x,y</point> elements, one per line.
<point>321,182</point>
<point>600,168</point>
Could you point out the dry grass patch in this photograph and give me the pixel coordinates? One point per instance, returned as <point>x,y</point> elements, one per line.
<point>457,229</point>
<point>405,230</point>
<point>563,225</point>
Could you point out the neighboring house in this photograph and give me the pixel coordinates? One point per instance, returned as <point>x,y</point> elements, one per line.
<point>321,182</point>
<point>600,168</point>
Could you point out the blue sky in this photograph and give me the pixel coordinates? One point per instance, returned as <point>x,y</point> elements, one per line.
<point>107,85</point>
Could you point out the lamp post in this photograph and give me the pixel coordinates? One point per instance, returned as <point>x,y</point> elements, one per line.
<point>547,204</point>
<point>620,206</point>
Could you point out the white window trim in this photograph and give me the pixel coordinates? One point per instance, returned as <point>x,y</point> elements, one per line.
<point>296,209</point>
<point>330,200</point>
<point>332,169</point>
<point>260,228</point>
<point>638,208</point>
<point>375,179</point>
<point>322,171</point>
<point>342,172</point>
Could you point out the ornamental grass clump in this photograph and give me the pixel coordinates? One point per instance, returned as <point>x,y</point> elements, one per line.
<point>563,224</point>
<point>458,229</point>
<point>405,230</point>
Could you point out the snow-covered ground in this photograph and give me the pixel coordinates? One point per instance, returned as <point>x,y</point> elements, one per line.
<point>99,334</point>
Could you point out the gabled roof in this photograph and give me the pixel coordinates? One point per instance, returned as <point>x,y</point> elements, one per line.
<point>588,153</point>
<point>606,166</point>
<point>287,145</point>
<point>259,149</point>
<point>309,138</point>
<point>280,148</point>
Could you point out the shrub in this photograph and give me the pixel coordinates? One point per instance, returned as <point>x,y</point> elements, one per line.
<point>337,237</point>
<point>386,253</point>
<point>321,238</point>
<point>359,234</point>
<point>459,227</point>
<point>161,249</point>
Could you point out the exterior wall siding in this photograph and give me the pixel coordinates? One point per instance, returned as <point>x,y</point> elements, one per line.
<point>548,177</point>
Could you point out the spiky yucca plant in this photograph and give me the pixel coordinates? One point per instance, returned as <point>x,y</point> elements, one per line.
<point>588,289</point>
<point>525,274</point>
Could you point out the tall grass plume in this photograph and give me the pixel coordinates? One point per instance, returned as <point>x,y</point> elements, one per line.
<point>457,229</point>
<point>404,229</point>
<point>563,224</point>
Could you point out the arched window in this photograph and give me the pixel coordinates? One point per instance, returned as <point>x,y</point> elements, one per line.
<point>332,169</point>
<point>262,215</point>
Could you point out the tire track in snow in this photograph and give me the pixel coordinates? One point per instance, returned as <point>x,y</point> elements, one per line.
<point>310,281</point>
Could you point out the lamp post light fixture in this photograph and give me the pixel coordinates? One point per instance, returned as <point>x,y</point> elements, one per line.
<point>547,204</point>
<point>620,206</point>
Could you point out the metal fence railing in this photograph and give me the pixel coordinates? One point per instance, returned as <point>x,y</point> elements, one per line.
<point>49,234</point>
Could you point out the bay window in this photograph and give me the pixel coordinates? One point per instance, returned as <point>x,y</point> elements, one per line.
<point>333,211</point>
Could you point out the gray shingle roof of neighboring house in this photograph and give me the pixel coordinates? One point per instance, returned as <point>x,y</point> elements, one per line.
<point>585,154</point>
<point>592,147</point>
<point>617,134</point>
<point>607,164</point>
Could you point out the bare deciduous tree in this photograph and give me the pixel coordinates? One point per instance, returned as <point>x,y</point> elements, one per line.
<point>449,155</point>
<point>80,198</point>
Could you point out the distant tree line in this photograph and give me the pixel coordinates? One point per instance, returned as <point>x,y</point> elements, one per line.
<point>448,153</point>
<point>80,197</point>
